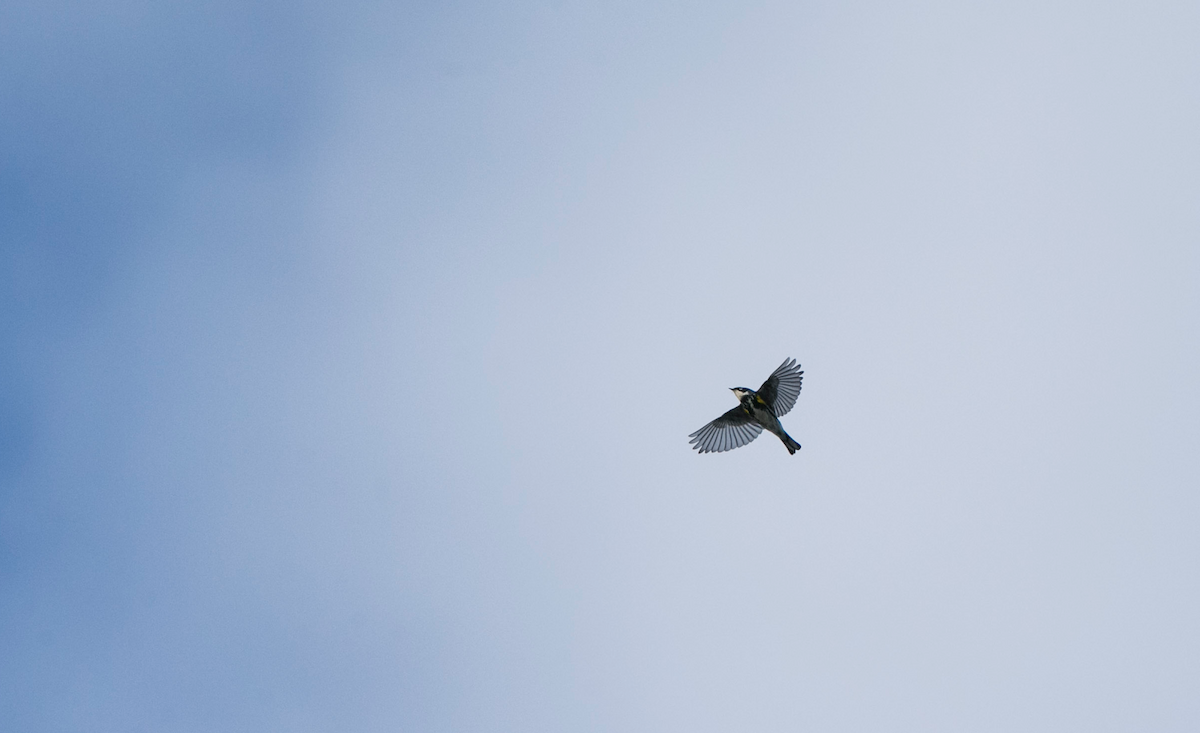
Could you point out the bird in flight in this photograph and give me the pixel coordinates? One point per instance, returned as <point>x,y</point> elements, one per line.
<point>755,411</point>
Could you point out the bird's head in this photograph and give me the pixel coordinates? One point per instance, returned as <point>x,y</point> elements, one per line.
<point>741,392</point>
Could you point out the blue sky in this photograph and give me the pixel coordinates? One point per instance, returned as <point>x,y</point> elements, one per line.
<point>349,357</point>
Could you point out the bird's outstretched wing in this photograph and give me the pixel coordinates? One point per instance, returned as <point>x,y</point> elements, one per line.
<point>782,388</point>
<point>731,430</point>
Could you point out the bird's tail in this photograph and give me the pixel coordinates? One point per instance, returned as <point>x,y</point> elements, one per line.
<point>790,444</point>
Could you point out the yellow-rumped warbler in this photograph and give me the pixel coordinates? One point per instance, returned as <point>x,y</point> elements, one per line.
<point>755,411</point>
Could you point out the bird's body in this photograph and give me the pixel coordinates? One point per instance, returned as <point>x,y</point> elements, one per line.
<point>755,412</point>
<point>760,412</point>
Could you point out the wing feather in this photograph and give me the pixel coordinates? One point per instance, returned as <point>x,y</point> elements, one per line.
<point>731,430</point>
<point>783,387</point>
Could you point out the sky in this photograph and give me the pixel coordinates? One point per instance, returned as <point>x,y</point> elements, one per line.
<point>348,357</point>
